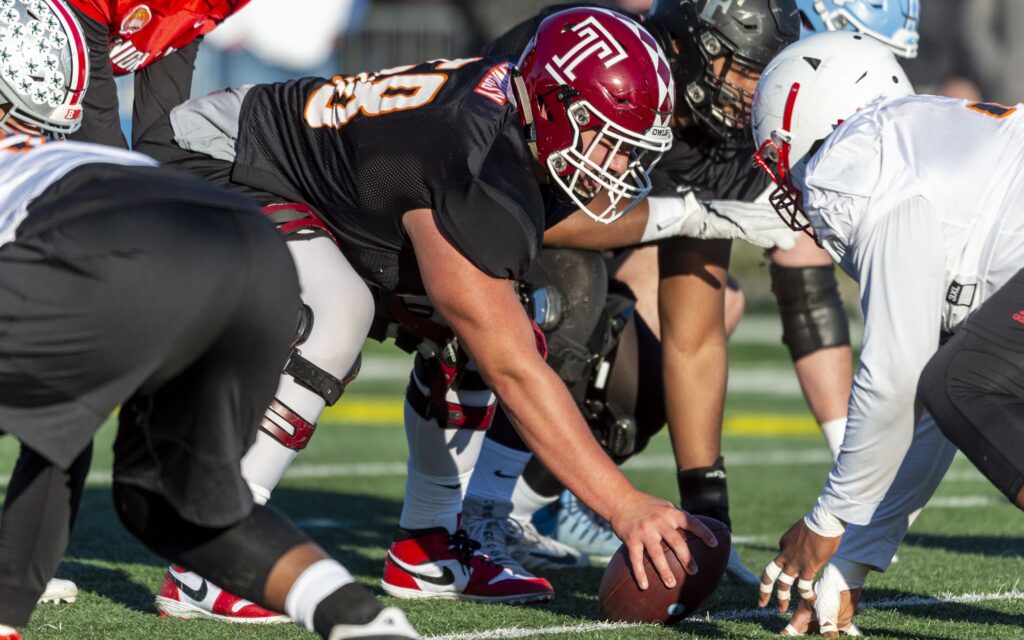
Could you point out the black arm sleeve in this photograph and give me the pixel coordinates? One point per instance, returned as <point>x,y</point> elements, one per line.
<point>162,86</point>
<point>100,120</point>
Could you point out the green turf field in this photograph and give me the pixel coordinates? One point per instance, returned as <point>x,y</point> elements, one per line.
<point>956,577</point>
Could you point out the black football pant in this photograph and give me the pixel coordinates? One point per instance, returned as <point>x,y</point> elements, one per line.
<point>974,388</point>
<point>177,301</point>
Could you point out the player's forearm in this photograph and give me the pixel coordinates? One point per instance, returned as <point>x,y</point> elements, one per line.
<point>878,434</point>
<point>580,231</point>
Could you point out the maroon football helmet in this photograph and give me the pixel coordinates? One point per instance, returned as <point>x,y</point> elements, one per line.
<point>591,69</point>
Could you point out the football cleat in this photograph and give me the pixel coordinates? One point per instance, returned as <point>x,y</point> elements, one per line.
<point>738,572</point>
<point>59,592</point>
<point>432,563</point>
<point>582,529</point>
<point>538,552</point>
<point>9,633</point>
<point>187,595</point>
<point>390,624</point>
<point>514,544</point>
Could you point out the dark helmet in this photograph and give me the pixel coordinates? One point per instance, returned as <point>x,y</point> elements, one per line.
<point>695,33</point>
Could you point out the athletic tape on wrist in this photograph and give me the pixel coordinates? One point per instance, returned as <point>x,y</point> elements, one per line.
<point>823,523</point>
<point>666,216</point>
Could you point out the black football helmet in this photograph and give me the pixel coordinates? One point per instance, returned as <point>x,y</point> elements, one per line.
<point>696,33</point>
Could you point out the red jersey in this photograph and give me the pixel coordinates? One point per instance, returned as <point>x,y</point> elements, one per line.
<point>143,31</point>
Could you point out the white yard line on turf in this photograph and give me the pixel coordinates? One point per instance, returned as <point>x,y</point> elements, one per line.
<point>770,458</point>
<point>736,615</point>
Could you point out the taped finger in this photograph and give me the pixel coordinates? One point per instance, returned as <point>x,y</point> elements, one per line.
<point>787,580</point>
<point>767,588</point>
<point>773,570</point>
<point>806,589</point>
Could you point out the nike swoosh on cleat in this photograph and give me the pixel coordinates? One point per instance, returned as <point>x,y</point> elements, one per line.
<point>446,579</point>
<point>196,594</point>
<point>557,559</point>
<point>504,475</point>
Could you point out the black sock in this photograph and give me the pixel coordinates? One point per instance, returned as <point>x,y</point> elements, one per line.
<point>703,491</point>
<point>542,481</point>
<point>351,604</point>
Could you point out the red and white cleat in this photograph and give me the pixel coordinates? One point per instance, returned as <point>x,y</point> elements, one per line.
<point>436,564</point>
<point>9,633</point>
<point>187,595</point>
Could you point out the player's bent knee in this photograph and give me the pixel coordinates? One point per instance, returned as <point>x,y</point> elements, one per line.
<point>237,558</point>
<point>812,312</point>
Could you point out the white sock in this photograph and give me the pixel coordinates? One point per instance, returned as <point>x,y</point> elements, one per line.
<point>497,472</point>
<point>318,581</point>
<point>267,460</point>
<point>833,430</point>
<point>441,462</point>
<point>526,501</point>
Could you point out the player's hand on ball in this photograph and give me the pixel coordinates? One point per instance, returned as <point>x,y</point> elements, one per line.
<point>802,554</point>
<point>644,522</point>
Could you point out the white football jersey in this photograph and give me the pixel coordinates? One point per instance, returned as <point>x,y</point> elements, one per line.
<point>25,174</point>
<point>921,200</point>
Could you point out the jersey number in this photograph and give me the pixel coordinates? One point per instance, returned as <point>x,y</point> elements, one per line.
<point>337,102</point>
<point>992,109</point>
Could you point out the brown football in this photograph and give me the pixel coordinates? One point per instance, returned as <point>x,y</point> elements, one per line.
<point>622,600</point>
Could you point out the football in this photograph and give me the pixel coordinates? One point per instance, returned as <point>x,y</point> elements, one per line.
<point>622,600</point>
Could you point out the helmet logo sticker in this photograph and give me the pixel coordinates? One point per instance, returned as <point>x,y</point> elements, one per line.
<point>713,5</point>
<point>136,20</point>
<point>594,41</point>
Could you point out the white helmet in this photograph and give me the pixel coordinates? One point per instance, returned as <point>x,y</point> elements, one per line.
<point>44,64</point>
<point>808,90</point>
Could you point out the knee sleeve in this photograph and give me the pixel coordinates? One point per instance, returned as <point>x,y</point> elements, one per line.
<point>977,399</point>
<point>811,310</point>
<point>335,318</point>
<point>237,558</point>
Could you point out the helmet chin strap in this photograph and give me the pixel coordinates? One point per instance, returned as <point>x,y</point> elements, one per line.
<point>522,101</point>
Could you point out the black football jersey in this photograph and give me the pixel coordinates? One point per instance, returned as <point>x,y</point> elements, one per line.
<point>713,168</point>
<point>363,150</point>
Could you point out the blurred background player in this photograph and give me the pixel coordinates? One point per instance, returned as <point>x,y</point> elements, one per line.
<point>156,41</point>
<point>126,285</point>
<point>630,370</point>
<point>461,136</point>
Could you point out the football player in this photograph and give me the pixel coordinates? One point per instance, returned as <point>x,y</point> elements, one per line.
<point>155,41</point>
<point>815,327</point>
<point>613,360</point>
<point>898,188</point>
<point>415,194</point>
<point>126,285</point>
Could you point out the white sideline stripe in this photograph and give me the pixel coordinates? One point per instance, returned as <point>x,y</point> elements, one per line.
<point>778,457</point>
<point>736,615</point>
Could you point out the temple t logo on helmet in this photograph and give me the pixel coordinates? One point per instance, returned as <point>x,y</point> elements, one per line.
<point>892,22</point>
<point>807,91</point>
<point>44,65</point>
<point>595,94</point>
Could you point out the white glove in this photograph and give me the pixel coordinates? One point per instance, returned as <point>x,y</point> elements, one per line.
<point>756,223</point>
